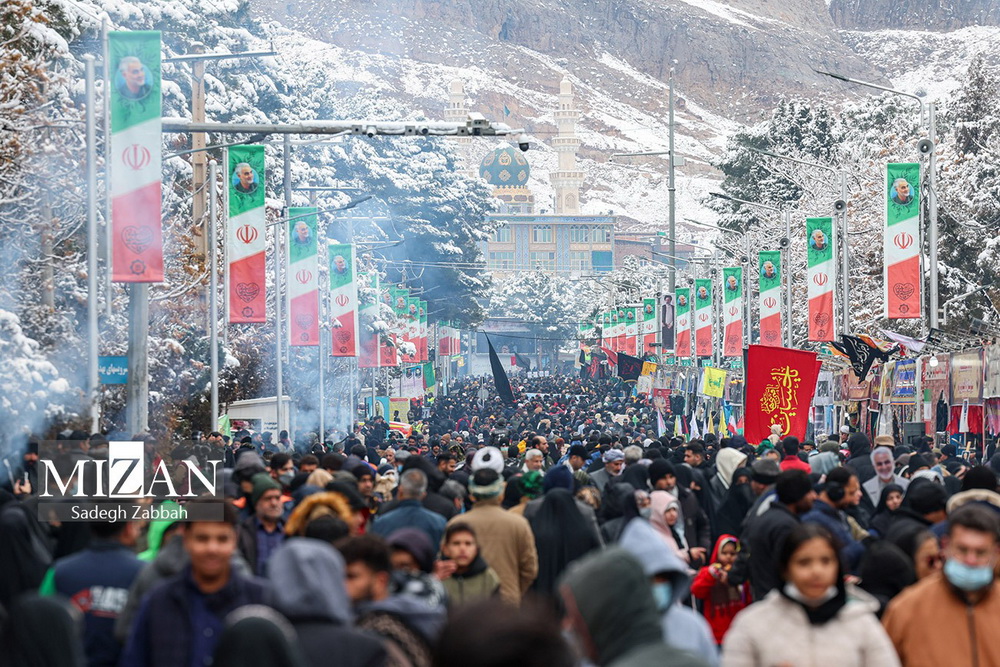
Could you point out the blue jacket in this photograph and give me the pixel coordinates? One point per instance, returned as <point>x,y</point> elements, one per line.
<point>410,514</point>
<point>97,581</point>
<point>179,626</point>
<point>833,520</point>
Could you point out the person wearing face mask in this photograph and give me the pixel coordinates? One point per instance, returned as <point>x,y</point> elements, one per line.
<point>611,614</point>
<point>813,619</point>
<point>948,617</point>
<point>885,475</point>
<point>682,626</point>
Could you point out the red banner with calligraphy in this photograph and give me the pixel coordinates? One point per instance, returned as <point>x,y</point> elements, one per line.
<point>779,390</point>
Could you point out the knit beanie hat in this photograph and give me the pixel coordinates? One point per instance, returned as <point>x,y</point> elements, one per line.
<point>765,471</point>
<point>558,477</point>
<point>659,469</point>
<point>262,482</point>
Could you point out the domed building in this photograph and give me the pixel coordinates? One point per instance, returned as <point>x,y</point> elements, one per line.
<point>507,170</point>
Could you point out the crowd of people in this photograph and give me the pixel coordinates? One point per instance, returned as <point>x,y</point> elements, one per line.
<point>560,530</point>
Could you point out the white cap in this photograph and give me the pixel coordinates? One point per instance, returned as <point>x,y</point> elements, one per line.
<point>488,457</point>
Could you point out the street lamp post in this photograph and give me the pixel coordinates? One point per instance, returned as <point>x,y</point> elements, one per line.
<point>840,208</point>
<point>928,109</point>
<point>785,255</point>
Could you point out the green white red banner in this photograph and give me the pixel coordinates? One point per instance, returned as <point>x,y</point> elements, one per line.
<point>343,300</point>
<point>423,330</point>
<point>703,317</point>
<point>135,157</point>
<point>769,280</point>
<point>822,277</point>
<point>683,301</point>
<point>901,242</point>
<point>732,311</point>
<point>649,326</point>
<point>245,237</point>
<point>302,277</point>
<point>631,330</point>
<point>368,309</point>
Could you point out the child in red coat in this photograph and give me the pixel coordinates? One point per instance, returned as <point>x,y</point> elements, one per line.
<point>721,600</point>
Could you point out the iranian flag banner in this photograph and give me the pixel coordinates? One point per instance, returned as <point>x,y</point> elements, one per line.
<point>343,300</point>
<point>302,277</point>
<point>245,238</point>
<point>622,328</point>
<point>649,324</point>
<point>770,297</point>
<point>901,242</point>
<point>822,276</point>
<point>631,330</point>
<point>683,301</point>
<point>606,332</point>
<point>703,317</point>
<point>387,352</point>
<point>779,390</point>
<point>732,311</point>
<point>135,157</point>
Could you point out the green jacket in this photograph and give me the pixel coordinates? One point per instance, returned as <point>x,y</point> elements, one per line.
<point>479,583</point>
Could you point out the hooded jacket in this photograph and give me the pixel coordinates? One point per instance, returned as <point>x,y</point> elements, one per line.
<point>721,601</point>
<point>476,583</point>
<point>308,578</point>
<point>726,463</point>
<point>682,626</point>
<point>777,631</point>
<point>610,593</point>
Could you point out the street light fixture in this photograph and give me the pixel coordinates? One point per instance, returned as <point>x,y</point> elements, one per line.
<point>926,147</point>
<point>786,254</point>
<point>840,208</point>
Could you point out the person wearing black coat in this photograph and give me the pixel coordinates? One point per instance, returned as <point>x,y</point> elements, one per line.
<point>765,535</point>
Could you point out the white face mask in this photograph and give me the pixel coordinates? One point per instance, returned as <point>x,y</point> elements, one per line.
<point>793,592</point>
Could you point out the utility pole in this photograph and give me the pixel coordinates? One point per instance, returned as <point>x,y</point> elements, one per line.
<point>213,293</point>
<point>93,371</point>
<point>198,157</point>
<point>671,190</point>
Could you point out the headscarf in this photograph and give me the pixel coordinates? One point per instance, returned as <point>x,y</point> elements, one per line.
<point>738,501</point>
<point>726,462</point>
<point>42,631</point>
<point>660,502</point>
<point>562,535</point>
<point>23,552</point>
<point>257,635</point>
<point>823,462</point>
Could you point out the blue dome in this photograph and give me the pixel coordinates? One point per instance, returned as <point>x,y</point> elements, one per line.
<point>505,168</point>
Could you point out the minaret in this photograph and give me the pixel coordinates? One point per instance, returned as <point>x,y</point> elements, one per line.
<point>568,179</point>
<point>457,112</point>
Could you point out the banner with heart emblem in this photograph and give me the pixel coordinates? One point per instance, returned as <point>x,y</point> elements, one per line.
<point>822,277</point>
<point>413,326</point>
<point>648,330</point>
<point>302,277</point>
<point>135,157</point>
<point>343,300</point>
<point>732,311</point>
<point>901,243</point>
<point>770,297</point>
<point>703,317</point>
<point>245,237</point>
<point>683,301</point>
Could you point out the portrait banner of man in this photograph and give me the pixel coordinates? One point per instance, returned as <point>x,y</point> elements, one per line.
<point>135,156</point>
<point>684,323</point>
<point>821,275</point>
<point>344,311</point>
<point>245,235</point>
<point>704,317</point>
<point>901,242</point>
<point>732,311</point>
<point>302,277</point>
<point>769,289</point>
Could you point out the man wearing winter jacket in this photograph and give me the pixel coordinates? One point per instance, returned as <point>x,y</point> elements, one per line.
<point>96,581</point>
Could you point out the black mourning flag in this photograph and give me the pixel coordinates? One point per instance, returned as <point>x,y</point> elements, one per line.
<point>861,353</point>
<point>629,367</point>
<point>500,376</point>
<point>522,361</point>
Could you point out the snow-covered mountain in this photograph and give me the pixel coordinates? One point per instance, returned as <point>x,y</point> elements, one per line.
<point>731,60</point>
